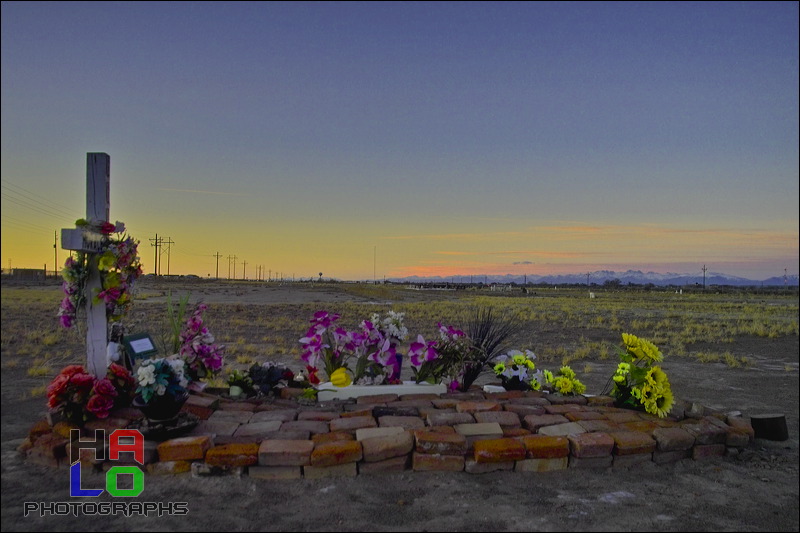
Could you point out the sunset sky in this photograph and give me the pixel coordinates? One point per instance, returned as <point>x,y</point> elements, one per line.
<point>375,139</point>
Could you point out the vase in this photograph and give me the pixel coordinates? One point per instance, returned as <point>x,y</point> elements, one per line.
<point>161,408</point>
<point>515,384</point>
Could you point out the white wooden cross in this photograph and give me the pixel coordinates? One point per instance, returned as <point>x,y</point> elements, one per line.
<point>98,182</point>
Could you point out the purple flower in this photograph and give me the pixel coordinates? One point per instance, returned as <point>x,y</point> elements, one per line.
<point>420,352</point>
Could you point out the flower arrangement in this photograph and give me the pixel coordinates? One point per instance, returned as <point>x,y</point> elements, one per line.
<point>119,267</point>
<point>518,371</point>
<point>564,382</point>
<point>433,360</point>
<point>267,376</point>
<point>637,382</point>
<point>79,396</point>
<point>162,377</point>
<point>372,348</point>
<point>203,357</point>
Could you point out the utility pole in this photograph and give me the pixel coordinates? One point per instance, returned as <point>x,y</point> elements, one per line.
<point>55,252</point>
<point>169,248</point>
<point>587,278</point>
<point>156,243</point>
<point>244,269</point>
<point>229,267</point>
<point>704,277</point>
<point>234,266</point>
<point>374,263</point>
<point>217,255</point>
<point>269,278</point>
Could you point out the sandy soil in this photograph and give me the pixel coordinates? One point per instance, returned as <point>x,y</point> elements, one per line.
<point>756,490</point>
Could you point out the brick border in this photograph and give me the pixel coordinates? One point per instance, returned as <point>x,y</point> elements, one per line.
<point>473,432</point>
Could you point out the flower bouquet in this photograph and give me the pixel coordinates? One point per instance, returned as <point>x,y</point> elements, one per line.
<point>119,267</point>
<point>203,357</point>
<point>78,396</point>
<point>637,382</point>
<point>163,387</point>
<point>371,349</point>
<point>517,371</point>
<point>564,382</point>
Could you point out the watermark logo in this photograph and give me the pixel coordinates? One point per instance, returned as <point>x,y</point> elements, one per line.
<point>121,441</point>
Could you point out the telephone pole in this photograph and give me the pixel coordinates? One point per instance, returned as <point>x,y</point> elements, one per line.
<point>55,252</point>
<point>156,243</point>
<point>217,255</point>
<point>704,277</point>
<point>244,269</point>
<point>169,249</point>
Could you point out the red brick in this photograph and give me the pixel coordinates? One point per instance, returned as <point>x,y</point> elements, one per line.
<point>598,425</point>
<point>588,445</point>
<point>203,413</point>
<point>449,419</point>
<point>632,461</point>
<point>312,426</point>
<point>432,462</point>
<point>545,447</point>
<point>506,419</point>
<point>475,406</point>
<point>623,415</point>
<point>542,465</point>
<point>474,467</point>
<point>562,408</point>
<point>237,406</point>
<point>737,437</point>
<point>673,439</point>
<point>499,450</point>
<point>382,448</point>
<point>336,453</point>
<point>285,452</point>
<point>706,451</point>
<point>705,433</point>
<point>320,416</point>
<point>577,416</point>
<point>353,423</point>
<point>632,443</point>
<point>39,428</point>
<point>233,455</point>
<point>515,432</point>
<point>742,423</point>
<point>184,448</point>
<point>507,395</point>
<point>405,422</point>
<point>524,410</point>
<point>169,467</point>
<point>434,442</point>
<point>534,422</point>
<point>376,398</point>
<point>321,438</point>
<point>387,466</point>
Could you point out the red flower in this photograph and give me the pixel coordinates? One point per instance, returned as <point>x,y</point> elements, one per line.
<point>312,375</point>
<point>104,387</point>
<point>100,405</point>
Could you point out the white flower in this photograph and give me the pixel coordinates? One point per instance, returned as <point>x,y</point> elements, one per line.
<point>146,375</point>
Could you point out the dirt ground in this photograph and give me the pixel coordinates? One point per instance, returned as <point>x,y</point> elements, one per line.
<point>755,490</point>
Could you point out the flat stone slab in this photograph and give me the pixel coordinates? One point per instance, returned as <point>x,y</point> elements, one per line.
<point>327,391</point>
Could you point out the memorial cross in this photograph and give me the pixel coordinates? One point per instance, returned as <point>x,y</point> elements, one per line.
<point>98,181</point>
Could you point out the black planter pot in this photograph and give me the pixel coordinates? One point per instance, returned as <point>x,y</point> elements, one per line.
<point>161,408</point>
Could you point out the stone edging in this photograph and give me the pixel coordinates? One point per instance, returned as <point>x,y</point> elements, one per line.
<point>474,432</point>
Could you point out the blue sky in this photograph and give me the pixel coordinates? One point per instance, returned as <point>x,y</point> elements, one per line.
<point>389,139</point>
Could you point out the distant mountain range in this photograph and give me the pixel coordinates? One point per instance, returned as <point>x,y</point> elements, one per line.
<point>599,277</point>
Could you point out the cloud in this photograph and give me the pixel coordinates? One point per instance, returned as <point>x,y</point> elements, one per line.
<point>523,263</point>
